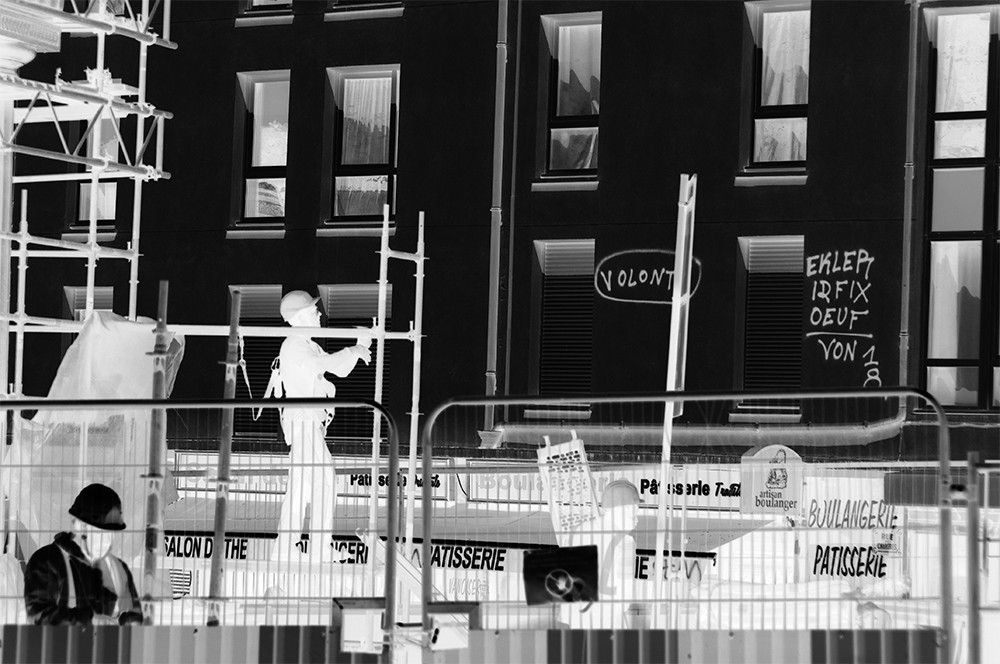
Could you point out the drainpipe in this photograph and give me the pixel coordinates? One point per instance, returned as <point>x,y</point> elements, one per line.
<point>496,212</point>
<point>908,206</point>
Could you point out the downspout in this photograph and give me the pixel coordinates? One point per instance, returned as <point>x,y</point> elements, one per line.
<point>496,212</point>
<point>908,206</point>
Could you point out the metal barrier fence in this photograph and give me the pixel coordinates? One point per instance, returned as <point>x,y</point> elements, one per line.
<point>778,511</point>
<point>286,553</point>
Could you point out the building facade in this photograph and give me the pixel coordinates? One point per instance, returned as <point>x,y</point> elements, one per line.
<point>846,156</point>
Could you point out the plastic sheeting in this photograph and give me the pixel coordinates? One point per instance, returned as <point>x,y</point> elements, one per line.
<point>59,452</point>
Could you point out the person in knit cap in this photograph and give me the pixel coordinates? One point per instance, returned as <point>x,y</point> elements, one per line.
<point>76,580</point>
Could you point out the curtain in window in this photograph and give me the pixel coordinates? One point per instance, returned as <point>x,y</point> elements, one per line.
<point>573,149</point>
<point>579,56</point>
<point>270,123</point>
<point>367,104</point>
<point>785,73</point>
<point>956,269</point>
<point>963,42</point>
<point>361,195</point>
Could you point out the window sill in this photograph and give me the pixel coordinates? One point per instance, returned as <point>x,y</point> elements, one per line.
<point>266,19</point>
<point>359,14</point>
<point>82,236</point>
<point>565,185</point>
<point>256,233</point>
<point>766,178</point>
<point>355,229</point>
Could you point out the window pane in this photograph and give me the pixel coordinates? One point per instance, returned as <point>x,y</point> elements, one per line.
<point>265,198</point>
<point>954,386</point>
<point>109,141</point>
<point>958,199</point>
<point>780,139</point>
<point>270,123</point>
<point>579,70</point>
<point>959,139</point>
<point>956,269</point>
<point>785,70</point>
<point>996,386</point>
<point>107,193</point>
<point>573,149</point>
<point>362,194</point>
<point>367,103</point>
<point>963,43</point>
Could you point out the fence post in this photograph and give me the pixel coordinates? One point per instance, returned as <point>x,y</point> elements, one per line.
<point>972,539</point>
<point>157,446</point>
<point>222,473</point>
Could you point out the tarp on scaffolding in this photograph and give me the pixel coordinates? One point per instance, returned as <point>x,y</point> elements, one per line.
<point>58,452</point>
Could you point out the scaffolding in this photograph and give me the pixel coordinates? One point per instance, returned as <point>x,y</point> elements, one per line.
<point>100,101</point>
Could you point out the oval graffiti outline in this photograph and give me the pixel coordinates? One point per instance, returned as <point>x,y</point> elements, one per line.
<point>606,292</point>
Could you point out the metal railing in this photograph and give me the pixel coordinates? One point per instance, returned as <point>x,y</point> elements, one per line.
<point>66,445</point>
<point>862,540</point>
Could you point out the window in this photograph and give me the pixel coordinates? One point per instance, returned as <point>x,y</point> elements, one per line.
<point>264,115</point>
<point>780,90</point>
<point>364,146</point>
<point>772,314</point>
<point>265,5</point>
<point>963,243</point>
<point>574,93</point>
<point>565,316</point>
<point>107,192</point>
<point>259,305</point>
<point>347,306</point>
<point>76,300</point>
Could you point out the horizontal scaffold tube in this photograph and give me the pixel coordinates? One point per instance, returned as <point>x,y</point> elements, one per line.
<point>74,247</point>
<point>40,324</point>
<point>76,94</point>
<point>146,172</point>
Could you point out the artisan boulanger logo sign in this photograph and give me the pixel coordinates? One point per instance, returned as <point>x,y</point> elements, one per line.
<point>641,275</point>
<point>771,479</point>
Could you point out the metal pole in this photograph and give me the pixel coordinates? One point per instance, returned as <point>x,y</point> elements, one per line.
<point>972,570</point>
<point>411,472</point>
<point>225,456</point>
<point>157,448</point>
<point>945,534</point>
<point>6,226</point>
<point>22,284</point>
<point>379,331</point>
<point>496,211</point>
<point>140,124</point>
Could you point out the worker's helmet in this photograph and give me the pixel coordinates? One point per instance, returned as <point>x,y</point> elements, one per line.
<point>620,492</point>
<point>294,302</point>
<point>100,507</point>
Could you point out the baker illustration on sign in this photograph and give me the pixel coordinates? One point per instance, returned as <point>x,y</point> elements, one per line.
<point>311,493</point>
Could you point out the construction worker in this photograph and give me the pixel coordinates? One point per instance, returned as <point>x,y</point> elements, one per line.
<point>310,496</point>
<point>76,579</point>
<point>611,532</point>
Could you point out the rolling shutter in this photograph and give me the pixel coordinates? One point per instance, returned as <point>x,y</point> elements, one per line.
<point>774,300</point>
<point>567,316</point>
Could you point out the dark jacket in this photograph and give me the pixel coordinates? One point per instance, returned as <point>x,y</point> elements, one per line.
<point>46,591</point>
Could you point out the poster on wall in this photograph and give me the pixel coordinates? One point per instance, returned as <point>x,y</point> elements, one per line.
<point>771,480</point>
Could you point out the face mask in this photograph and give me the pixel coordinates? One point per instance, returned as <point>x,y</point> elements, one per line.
<point>97,543</point>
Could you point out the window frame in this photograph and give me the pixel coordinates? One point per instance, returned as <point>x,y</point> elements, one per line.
<point>548,111</point>
<point>336,77</point>
<point>987,362</point>
<point>753,73</point>
<point>249,8</point>
<point>244,149</point>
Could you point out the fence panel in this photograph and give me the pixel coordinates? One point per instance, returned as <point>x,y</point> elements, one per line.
<point>806,511</point>
<point>301,524</point>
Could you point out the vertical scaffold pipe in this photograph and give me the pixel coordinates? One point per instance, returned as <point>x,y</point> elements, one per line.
<point>157,447</point>
<point>972,558</point>
<point>225,456</point>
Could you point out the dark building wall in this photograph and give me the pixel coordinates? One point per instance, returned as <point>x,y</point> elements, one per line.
<point>673,102</point>
<point>672,76</point>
